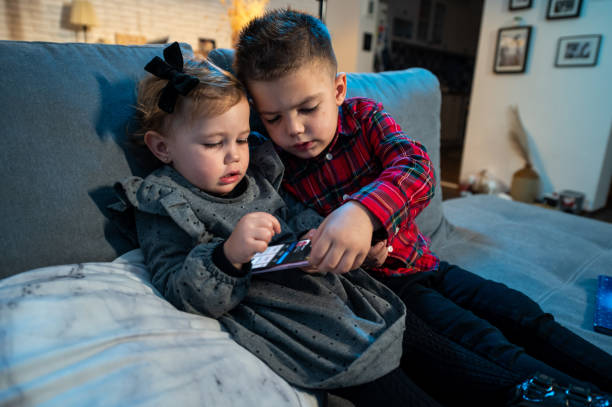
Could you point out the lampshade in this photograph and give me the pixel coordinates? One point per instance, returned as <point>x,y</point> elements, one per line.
<point>82,14</point>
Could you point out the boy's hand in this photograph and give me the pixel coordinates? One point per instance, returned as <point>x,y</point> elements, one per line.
<point>343,239</point>
<point>251,235</point>
<point>377,255</point>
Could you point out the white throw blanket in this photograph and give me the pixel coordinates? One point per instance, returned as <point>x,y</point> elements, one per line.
<point>100,334</point>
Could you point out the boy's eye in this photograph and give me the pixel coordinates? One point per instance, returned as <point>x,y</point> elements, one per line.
<point>272,119</point>
<point>309,109</point>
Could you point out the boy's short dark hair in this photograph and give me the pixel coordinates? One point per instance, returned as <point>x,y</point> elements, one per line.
<point>280,42</point>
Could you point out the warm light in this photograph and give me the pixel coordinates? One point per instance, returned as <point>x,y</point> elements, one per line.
<point>240,12</point>
<point>82,14</point>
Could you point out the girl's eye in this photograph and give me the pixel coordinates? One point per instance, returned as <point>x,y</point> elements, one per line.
<point>243,140</point>
<point>213,145</point>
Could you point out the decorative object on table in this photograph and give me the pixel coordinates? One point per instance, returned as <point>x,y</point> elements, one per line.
<point>240,12</point>
<point>82,15</point>
<point>571,201</point>
<point>578,50</point>
<point>519,4</point>
<point>205,45</point>
<point>563,9</point>
<point>525,185</point>
<point>482,183</point>
<point>512,49</point>
<point>130,39</point>
<point>551,199</point>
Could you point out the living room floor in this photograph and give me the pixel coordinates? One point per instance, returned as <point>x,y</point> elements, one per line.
<point>450,164</point>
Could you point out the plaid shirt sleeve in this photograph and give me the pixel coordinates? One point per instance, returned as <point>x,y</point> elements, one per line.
<point>406,184</point>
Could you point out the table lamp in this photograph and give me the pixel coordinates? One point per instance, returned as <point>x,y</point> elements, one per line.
<point>82,14</point>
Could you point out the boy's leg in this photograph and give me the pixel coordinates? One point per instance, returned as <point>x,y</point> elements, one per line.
<point>450,372</point>
<point>523,323</point>
<point>393,389</point>
<point>472,332</point>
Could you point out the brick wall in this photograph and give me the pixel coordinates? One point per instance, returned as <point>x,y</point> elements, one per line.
<point>180,20</point>
<point>184,20</point>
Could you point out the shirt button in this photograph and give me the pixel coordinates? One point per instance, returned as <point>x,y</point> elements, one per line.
<point>345,197</point>
<point>329,156</point>
<point>390,249</point>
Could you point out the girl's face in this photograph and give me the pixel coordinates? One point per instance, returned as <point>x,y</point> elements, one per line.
<point>212,153</point>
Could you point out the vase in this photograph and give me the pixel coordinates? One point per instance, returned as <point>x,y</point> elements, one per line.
<point>525,185</point>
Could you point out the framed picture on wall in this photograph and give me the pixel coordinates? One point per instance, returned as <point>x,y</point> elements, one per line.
<point>519,4</point>
<point>563,9</point>
<point>579,50</point>
<point>512,49</point>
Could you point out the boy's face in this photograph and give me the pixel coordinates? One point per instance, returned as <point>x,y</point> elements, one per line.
<point>300,110</point>
<point>212,153</point>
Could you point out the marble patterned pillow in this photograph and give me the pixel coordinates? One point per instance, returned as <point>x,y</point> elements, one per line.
<point>73,335</point>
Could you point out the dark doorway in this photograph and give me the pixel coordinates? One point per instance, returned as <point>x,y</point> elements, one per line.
<point>441,36</point>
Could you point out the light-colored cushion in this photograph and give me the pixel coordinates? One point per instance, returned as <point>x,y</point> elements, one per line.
<point>551,256</point>
<point>99,334</point>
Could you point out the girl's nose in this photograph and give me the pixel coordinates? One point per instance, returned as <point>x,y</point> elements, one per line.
<point>232,154</point>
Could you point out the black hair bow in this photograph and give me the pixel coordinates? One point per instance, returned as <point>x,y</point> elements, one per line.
<point>171,69</point>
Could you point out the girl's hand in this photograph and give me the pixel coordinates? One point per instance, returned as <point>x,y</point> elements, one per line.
<point>252,234</point>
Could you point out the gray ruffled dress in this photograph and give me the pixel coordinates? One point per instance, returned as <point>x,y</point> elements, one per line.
<point>314,330</point>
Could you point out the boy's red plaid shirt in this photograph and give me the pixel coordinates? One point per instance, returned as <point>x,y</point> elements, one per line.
<point>372,161</point>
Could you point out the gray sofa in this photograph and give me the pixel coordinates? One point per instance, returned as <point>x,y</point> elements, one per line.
<point>81,324</point>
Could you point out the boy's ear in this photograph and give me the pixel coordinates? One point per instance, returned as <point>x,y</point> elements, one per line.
<point>158,145</point>
<point>340,87</point>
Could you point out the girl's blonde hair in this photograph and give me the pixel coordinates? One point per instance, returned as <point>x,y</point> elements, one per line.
<point>216,93</point>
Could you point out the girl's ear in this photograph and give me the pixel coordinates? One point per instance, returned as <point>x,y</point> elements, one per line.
<point>158,145</point>
<point>340,87</point>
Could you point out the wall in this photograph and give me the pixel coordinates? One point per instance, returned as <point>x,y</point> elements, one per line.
<point>566,111</point>
<point>347,21</point>
<point>184,21</point>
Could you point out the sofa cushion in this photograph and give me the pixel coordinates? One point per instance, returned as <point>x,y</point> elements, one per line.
<point>551,256</point>
<point>65,114</point>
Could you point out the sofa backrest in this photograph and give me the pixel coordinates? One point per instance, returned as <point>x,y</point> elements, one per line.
<point>66,110</point>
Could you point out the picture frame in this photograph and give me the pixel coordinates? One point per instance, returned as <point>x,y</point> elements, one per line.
<point>512,49</point>
<point>558,9</point>
<point>519,4</point>
<point>578,50</point>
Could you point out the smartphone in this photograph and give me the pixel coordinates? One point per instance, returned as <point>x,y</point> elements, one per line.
<point>603,305</point>
<point>281,257</point>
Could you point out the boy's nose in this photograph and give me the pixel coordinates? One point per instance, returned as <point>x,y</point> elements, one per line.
<point>294,126</point>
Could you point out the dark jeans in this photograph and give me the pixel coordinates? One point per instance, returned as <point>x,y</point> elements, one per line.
<point>495,338</point>
<point>395,389</point>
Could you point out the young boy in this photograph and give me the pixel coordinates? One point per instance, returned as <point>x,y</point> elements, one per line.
<point>349,160</point>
